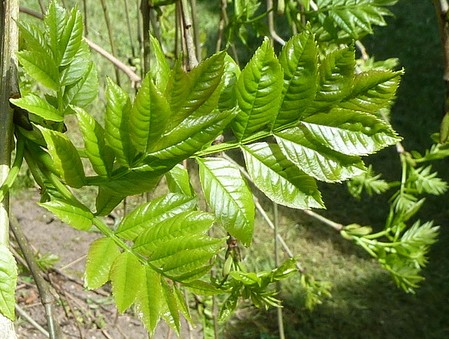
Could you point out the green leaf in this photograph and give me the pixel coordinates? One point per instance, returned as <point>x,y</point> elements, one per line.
<point>324,164</point>
<point>71,38</point>
<point>99,154</point>
<point>153,212</point>
<point>172,304</point>
<point>55,22</point>
<point>74,71</point>
<point>107,200</point>
<point>34,38</point>
<point>65,157</point>
<point>40,67</point>
<point>36,105</point>
<point>349,132</point>
<point>82,92</point>
<point>372,91</point>
<point>228,195</point>
<point>187,92</point>
<point>299,60</point>
<point>117,130</point>
<point>8,282</point>
<point>279,179</point>
<point>228,98</point>
<point>150,301</point>
<point>160,70</point>
<point>259,88</point>
<point>179,226</point>
<point>336,74</point>
<point>129,183</point>
<point>127,275</point>
<point>100,257</point>
<point>78,217</point>
<point>354,17</point>
<point>178,181</point>
<point>149,116</point>
<point>189,137</point>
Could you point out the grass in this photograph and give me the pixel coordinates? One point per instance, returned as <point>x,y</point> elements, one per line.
<point>365,302</point>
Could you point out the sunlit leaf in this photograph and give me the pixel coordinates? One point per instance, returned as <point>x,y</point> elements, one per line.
<point>127,275</point>
<point>227,193</point>
<point>259,88</point>
<point>36,105</point>
<point>322,163</point>
<point>280,179</point>
<point>8,281</point>
<point>100,257</point>
<point>77,216</point>
<point>65,157</point>
<point>153,212</point>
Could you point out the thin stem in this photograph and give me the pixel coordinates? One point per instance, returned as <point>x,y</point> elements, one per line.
<point>335,225</point>
<point>128,24</point>
<point>110,35</point>
<point>277,263</point>
<point>28,318</point>
<point>189,34</point>
<point>271,27</point>
<point>145,13</point>
<point>42,285</point>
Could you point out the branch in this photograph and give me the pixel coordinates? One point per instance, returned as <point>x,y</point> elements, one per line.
<point>271,28</point>
<point>135,79</point>
<point>189,34</point>
<point>42,286</point>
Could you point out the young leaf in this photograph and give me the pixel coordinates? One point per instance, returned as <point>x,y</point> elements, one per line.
<point>36,105</point>
<point>55,22</point>
<point>66,159</point>
<point>150,301</point>
<point>259,88</point>
<point>336,74</point>
<point>228,99</point>
<point>178,181</point>
<point>153,212</point>
<point>350,132</point>
<point>279,179</point>
<point>189,137</point>
<point>40,67</point>
<point>117,129</point>
<point>127,275</point>
<point>8,281</point>
<point>160,70</point>
<point>149,116</point>
<point>324,164</point>
<point>229,197</point>
<point>34,38</point>
<point>299,60</point>
<point>187,92</point>
<point>107,200</point>
<point>177,227</point>
<point>82,92</point>
<point>100,257</point>
<point>71,37</point>
<point>129,183</point>
<point>77,68</point>
<point>78,217</point>
<point>99,154</point>
<point>172,304</point>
